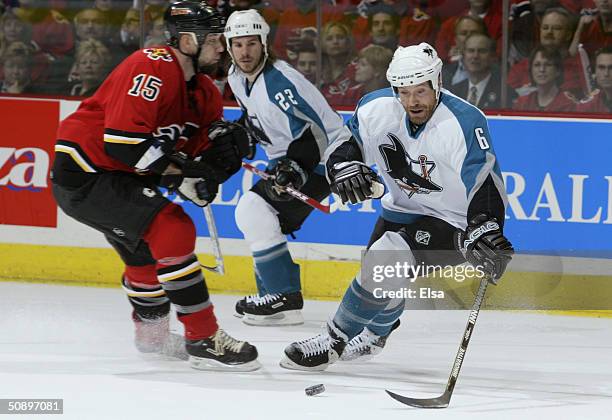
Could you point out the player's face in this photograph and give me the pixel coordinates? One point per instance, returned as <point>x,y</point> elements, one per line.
<point>247,52</point>
<point>211,50</point>
<point>554,31</point>
<point>543,70</point>
<point>603,71</point>
<point>419,101</point>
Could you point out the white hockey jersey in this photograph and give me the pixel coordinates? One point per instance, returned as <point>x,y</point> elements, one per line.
<point>281,104</point>
<point>434,171</point>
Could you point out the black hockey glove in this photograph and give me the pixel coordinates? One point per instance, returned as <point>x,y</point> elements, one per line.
<point>286,173</point>
<point>231,142</point>
<point>196,168</point>
<point>483,244</point>
<point>355,182</point>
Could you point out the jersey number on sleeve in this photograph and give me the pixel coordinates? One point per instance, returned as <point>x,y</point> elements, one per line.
<point>282,101</point>
<point>482,140</point>
<point>146,86</point>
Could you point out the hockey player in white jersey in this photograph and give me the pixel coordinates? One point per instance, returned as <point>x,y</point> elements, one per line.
<point>294,124</point>
<point>444,193</point>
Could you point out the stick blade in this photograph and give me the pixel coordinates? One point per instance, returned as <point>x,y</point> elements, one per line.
<point>440,402</point>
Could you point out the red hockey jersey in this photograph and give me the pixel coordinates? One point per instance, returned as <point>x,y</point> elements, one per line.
<point>145,97</point>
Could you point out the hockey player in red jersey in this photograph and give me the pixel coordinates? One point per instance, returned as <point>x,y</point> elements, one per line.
<point>155,122</point>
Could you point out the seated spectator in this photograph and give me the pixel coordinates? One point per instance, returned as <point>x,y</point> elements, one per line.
<point>298,22</point>
<point>594,28</point>
<point>130,34</point>
<point>385,26</point>
<point>336,54</point>
<point>13,29</point>
<point>600,100</point>
<point>453,71</point>
<point>555,32</point>
<point>370,72</point>
<point>156,34</point>
<point>16,70</point>
<point>482,9</point>
<point>51,31</point>
<point>91,24</point>
<point>113,11</point>
<point>306,62</point>
<point>91,67</point>
<point>546,71</point>
<point>526,18</point>
<point>482,88</point>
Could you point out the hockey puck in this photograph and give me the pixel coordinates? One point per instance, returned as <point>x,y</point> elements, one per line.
<point>315,390</point>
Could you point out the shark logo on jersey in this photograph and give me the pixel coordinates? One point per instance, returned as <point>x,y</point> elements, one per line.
<point>399,167</point>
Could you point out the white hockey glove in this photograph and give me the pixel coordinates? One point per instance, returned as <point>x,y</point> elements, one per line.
<point>199,191</point>
<point>483,244</point>
<point>355,182</point>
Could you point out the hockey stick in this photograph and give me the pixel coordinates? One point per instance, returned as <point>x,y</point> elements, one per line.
<point>443,400</point>
<point>214,238</point>
<point>291,191</point>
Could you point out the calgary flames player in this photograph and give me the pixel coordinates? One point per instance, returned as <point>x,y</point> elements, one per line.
<point>155,121</point>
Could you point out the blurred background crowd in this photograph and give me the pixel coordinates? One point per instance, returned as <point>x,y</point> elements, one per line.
<point>527,55</point>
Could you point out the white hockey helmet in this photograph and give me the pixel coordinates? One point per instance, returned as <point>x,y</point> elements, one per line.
<point>245,23</point>
<point>414,65</point>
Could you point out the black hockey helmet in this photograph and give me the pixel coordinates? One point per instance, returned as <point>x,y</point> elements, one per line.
<point>192,16</point>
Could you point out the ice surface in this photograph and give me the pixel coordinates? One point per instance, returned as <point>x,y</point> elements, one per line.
<point>76,343</point>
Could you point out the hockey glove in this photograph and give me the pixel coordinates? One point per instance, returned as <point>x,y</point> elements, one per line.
<point>483,244</point>
<point>199,191</point>
<point>355,182</point>
<point>286,173</point>
<point>231,142</point>
<point>196,168</point>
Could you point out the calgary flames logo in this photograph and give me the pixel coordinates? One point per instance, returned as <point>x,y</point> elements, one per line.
<point>158,54</point>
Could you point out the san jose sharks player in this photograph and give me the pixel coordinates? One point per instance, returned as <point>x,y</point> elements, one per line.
<point>445,200</point>
<point>294,124</point>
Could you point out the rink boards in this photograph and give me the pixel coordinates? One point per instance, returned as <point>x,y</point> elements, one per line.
<point>559,215</point>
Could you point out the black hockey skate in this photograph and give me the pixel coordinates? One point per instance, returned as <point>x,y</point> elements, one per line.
<point>222,352</point>
<point>316,353</point>
<point>275,309</point>
<point>242,303</point>
<point>153,336</point>
<point>366,345</point>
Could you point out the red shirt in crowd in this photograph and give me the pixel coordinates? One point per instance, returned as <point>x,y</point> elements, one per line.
<point>574,79</point>
<point>562,103</point>
<point>595,103</point>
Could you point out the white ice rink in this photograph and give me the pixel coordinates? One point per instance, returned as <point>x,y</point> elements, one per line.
<point>76,343</point>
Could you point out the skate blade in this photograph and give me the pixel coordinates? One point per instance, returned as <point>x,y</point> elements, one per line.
<point>282,318</point>
<point>237,315</point>
<point>215,366</point>
<point>291,365</point>
<point>361,358</point>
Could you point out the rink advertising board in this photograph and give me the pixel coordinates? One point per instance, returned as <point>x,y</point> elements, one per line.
<point>557,174</point>
<point>26,152</point>
<point>558,178</point>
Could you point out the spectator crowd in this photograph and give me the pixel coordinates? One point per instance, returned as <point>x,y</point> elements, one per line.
<point>559,51</point>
